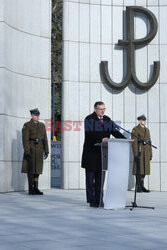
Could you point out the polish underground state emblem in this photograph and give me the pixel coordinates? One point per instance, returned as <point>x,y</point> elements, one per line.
<point>130,44</point>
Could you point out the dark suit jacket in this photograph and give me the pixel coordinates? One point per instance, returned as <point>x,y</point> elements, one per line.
<point>95,131</point>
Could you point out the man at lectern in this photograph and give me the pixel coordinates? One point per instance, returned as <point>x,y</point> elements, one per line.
<point>145,152</point>
<point>98,128</point>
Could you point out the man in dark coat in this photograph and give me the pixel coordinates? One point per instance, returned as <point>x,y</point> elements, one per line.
<point>36,149</point>
<point>98,128</point>
<point>145,152</point>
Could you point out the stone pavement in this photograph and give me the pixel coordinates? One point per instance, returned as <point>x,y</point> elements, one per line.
<point>61,220</point>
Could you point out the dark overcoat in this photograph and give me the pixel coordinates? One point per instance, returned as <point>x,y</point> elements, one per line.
<point>95,131</point>
<point>31,131</point>
<point>146,150</point>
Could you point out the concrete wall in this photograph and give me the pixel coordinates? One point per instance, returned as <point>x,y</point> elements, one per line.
<point>25,82</point>
<point>91,30</point>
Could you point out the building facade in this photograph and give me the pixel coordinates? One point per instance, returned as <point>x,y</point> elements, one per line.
<point>92,29</point>
<point>25,82</point>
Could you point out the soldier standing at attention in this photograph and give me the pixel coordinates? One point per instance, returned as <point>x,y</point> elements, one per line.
<point>145,152</point>
<point>35,146</point>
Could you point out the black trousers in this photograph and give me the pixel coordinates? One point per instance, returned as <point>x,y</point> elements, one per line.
<point>94,186</point>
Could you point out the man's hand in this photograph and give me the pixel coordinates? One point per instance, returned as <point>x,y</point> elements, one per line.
<point>45,156</point>
<point>105,139</point>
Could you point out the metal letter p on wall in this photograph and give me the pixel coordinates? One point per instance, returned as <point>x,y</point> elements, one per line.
<point>130,44</point>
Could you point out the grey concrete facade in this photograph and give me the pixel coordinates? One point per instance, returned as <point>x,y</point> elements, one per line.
<point>91,30</point>
<point>25,82</point>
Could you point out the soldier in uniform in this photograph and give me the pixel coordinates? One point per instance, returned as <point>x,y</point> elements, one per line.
<point>145,152</point>
<point>35,146</point>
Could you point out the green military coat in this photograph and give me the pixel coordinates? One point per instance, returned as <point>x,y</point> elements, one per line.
<point>32,130</point>
<point>146,150</point>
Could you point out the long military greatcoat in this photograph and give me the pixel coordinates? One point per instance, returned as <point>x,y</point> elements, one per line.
<point>32,130</point>
<point>95,131</point>
<point>146,150</point>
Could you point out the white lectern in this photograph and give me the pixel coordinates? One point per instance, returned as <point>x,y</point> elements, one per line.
<point>118,151</point>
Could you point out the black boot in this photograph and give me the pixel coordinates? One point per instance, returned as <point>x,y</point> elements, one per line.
<point>37,191</point>
<point>143,188</point>
<point>139,189</point>
<point>31,190</point>
<point>138,183</point>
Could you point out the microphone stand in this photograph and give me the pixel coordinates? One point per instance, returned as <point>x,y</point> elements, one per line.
<point>134,203</point>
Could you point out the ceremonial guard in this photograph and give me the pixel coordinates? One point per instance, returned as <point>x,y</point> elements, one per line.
<point>144,154</point>
<point>35,146</point>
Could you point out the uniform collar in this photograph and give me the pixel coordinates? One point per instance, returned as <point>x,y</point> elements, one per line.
<point>34,122</point>
<point>141,127</point>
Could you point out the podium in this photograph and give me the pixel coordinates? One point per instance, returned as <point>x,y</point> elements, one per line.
<point>115,160</point>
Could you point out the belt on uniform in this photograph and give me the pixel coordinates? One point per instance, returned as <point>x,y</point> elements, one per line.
<point>37,140</point>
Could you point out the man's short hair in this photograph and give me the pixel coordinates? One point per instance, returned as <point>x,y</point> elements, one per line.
<point>98,103</point>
